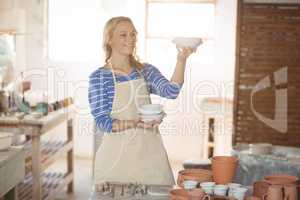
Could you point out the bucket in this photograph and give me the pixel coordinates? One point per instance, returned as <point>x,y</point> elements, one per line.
<point>223,169</point>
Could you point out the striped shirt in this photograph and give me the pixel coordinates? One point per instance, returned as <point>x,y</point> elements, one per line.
<point>101,91</point>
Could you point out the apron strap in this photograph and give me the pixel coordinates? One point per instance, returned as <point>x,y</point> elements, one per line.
<point>114,75</point>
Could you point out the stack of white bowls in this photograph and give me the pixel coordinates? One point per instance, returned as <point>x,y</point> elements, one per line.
<point>150,112</point>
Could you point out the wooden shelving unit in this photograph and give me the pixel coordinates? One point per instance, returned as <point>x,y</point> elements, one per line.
<point>51,151</point>
<point>40,154</point>
<point>51,184</point>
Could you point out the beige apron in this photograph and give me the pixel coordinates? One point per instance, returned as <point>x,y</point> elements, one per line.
<point>134,155</point>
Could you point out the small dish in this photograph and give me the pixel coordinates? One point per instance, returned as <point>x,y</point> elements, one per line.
<point>36,115</point>
<point>19,115</point>
<point>188,42</point>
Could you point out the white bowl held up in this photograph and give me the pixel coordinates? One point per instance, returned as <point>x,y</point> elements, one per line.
<point>187,42</point>
<point>5,140</point>
<point>150,109</point>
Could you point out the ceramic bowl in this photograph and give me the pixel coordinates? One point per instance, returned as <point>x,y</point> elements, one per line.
<point>232,187</point>
<point>208,187</point>
<point>281,179</point>
<point>150,109</point>
<point>190,184</point>
<point>190,42</point>
<point>5,140</point>
<point>149,118</point>
<point>220,190</point>
<point>239,193</point>
<point>199,175</point>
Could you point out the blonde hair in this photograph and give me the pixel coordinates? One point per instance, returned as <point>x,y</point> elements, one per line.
<point>109,29</point>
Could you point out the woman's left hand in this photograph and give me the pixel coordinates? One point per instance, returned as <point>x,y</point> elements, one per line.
<point>184,53</point>
<point>148,125</point>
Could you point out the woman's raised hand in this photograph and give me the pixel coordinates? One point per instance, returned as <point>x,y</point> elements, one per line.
<point>184,53</point>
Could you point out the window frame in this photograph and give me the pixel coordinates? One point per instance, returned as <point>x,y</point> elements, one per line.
<point>147,2</point>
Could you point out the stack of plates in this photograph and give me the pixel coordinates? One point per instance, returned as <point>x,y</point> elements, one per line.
<point>150,112</point>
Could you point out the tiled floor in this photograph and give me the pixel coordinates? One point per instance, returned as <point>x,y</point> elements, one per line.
<point>83,178</point>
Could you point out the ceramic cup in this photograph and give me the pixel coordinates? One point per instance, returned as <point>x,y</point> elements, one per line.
<point>190,184</point>
<point>275,192</point>
<point>198,194</point>
<point>220,190</point>
<point>232,186</point>
<point>239,193</point>
<point>208,187</point>
<point>291,192</point>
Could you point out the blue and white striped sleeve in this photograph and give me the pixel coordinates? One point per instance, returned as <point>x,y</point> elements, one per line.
<point>159,85</point>
<point>99,101</point>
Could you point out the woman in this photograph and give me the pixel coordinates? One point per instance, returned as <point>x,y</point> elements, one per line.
<point>131,151</point>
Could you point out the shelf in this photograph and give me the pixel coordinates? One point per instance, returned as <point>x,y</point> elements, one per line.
<point>51,151</point>
<point>52,183</point>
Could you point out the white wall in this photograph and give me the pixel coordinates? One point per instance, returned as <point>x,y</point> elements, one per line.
<point>28,18</point>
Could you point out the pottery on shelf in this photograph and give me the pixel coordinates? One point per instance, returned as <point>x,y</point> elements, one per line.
<point>193,194</point>
<point>275,192</point>
<point>281,179</point>
<point>260,188</point>
<point>199,175</point>
<point>291,192</point>
<point>197,194</point>
<point>179,194</point>
<point>223,169</point>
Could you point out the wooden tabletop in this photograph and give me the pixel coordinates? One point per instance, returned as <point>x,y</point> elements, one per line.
<point>44,123</point>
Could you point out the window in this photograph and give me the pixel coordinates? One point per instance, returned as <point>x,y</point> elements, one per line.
<point>166,20</point>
